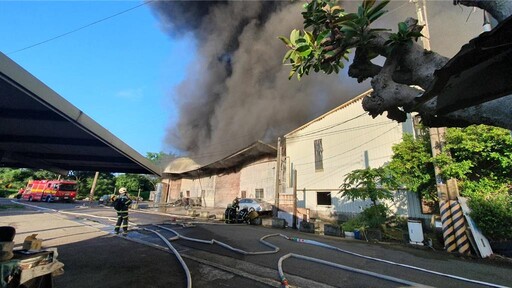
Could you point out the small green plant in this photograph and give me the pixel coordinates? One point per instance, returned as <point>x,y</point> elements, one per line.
<point>355,223</point>
<point>404,37</point>
<point>374,216</point>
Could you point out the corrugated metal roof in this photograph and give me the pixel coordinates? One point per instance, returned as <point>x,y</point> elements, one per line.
<point>231,163</point>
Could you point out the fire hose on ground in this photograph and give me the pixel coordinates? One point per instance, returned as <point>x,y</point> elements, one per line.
<point>282,276</point>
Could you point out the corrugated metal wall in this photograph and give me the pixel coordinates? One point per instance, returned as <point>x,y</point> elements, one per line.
<point>260,175</point>
<point>350,140</point>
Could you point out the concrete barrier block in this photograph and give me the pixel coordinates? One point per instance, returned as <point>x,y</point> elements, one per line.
<point>307,227</point>
<point>192,213</point>
<point>332,230</point>
<point>267,222</point>
<point>278,223</point>
<point>256,221</point>
<point>204,214</point>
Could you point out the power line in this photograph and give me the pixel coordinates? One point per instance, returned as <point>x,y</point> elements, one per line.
<point>352,149</point>
<point>352,139</point>
<point>80,28</point>
<point>343,153</point>
<point>342,131</point>
<point>327,127</point>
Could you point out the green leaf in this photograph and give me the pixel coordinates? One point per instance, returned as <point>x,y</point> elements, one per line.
<point>377,9</point>
<point>402,27</point>
<point>347,17</point>
<point>285,40</point>
<point>295,57</point>
<point>376,16</point>
<point>322,36</point>
<point>352,24</point>
<point>336,68</point>
<point>294,35</point>
<point>309,37</point>
<point>330,54</point>
<point>379,30</point>
<point>337,10</point>
<point>367,4</point>
<point>348,29</point>
<point>304,50</point>
<point>287,56</point>
<point>360,11</point>
<point>290,75</point>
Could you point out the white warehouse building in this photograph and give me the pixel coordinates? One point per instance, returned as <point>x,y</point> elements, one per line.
<point>324,150</point>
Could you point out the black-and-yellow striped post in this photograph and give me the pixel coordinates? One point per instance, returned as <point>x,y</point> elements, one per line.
<point>450,243</point>
<point>459,228</point>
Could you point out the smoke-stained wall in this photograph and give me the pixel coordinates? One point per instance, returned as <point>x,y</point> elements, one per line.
<point>237,90</point>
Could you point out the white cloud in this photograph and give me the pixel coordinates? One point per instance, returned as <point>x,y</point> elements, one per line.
<point>130,94</point>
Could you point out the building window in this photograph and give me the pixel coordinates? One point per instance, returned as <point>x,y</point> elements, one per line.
<point>259,193</point>
<point>319,151</point>
<point>243,194</point>
<point>323,198</point>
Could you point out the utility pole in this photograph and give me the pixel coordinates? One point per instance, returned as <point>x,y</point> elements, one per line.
<point>278,177</point>
<point>294,216</point>
<point>421,12</point>
<point>436,134</point>
<point>454,229</point>
<point>93,187</point>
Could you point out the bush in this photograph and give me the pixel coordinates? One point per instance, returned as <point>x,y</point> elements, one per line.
<point>355,223</point>
<point>5,193</point>
<point>371,217</point>
<point>491,207</point>
<point>374,216</point>
<point>491,214</point>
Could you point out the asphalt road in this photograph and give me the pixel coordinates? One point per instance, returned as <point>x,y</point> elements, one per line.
<point>93,257</point>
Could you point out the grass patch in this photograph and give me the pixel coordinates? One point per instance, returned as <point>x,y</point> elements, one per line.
<point>11,206</point>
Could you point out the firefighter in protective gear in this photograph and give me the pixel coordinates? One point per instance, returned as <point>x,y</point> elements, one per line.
<point>236,203</point>
<point>121,205</point>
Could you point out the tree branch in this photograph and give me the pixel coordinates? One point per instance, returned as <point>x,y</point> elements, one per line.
<point>362,68</point>
<point>499,9</point>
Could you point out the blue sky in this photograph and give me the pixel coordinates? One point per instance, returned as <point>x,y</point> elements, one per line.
<point>121,71</point>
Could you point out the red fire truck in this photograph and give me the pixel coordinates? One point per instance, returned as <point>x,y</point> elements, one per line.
<point>50,190</point>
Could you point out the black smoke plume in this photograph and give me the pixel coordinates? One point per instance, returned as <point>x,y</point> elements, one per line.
<point>237,90</point>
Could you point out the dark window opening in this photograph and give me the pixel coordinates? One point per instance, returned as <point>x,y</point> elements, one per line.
<point>319,150</point>
<point>323,198</point>
<point>259,193</point>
